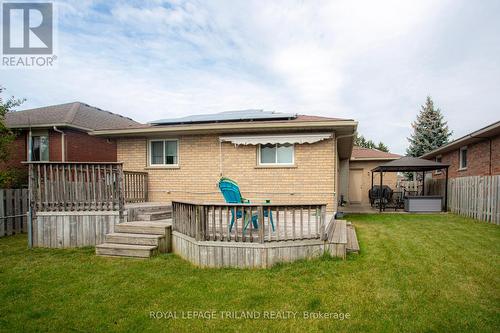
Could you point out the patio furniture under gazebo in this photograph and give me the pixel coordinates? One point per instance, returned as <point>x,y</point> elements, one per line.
<point>413,164</point>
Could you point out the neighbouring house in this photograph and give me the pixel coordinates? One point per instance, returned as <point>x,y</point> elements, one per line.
<point>61,133</point>
<point>285,158</point>
<point>357,177</point>
<point>475,154</point>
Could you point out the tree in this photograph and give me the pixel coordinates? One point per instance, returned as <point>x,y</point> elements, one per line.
<point>360,141</point>
<point>6,134</point>
<point>382,147</point>
<point>430,131</point>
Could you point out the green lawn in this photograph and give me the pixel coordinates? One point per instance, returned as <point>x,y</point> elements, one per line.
<point>415,273</point>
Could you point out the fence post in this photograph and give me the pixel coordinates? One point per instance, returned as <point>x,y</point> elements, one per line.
<point>446,192</point>
<point>197,222</point>
<point>146,191</point>
<point>323,218</point>
<point>260,212</point>
<point>31,205</point>
<point>121,190</point>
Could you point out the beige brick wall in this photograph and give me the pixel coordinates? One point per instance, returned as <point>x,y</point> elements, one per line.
<point>388,178</point>
<point>311,180</point>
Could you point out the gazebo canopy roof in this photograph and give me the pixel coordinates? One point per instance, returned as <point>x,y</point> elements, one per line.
<point>409,164</point>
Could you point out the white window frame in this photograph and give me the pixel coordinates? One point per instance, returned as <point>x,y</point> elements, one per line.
<point>29,146</point>
<point>151,165</point>
<point>275,164</point>
<point>438,172</point>
<point>460,167</point>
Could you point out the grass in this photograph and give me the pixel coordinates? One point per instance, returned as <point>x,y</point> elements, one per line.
<point>415,273</point>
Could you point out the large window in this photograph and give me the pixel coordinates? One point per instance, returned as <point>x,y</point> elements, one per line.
<point>164,152</point>
<point>276,154</point>
<point>463,158</point>
<point>39,148</point>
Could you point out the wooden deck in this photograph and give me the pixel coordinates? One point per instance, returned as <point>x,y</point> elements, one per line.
<point>236,248</point>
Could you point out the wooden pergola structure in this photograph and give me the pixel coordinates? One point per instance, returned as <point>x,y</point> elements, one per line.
<point>413,164</point>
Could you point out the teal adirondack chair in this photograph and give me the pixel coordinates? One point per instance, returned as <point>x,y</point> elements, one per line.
<point>231,193</point>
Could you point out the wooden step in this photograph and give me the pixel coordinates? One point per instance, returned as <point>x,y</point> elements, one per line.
<point>154,216</point>
<point>339,235</point>
<point>144,227</point>
<point>133,239</point>
<point>352,239</point>
<point>140,239</point>
<point>152,209</point>
<point>126,250</point>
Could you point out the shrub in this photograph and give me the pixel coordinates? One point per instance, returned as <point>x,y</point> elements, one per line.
<point>13,178</point>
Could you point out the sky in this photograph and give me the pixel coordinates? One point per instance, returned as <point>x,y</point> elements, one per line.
<point>372,61</point>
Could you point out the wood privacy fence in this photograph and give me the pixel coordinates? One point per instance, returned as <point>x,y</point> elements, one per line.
<point>136,186</point>
<point>252,222</point>
<point>409,185</point>
<point>13,208</point>
<point>71,186</point>
<point>476,196</point>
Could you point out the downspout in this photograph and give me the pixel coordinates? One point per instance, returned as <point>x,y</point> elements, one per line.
<point>30,185</point>
<point>490,156</point>
<point>220,157</point>
<point>63,150</point>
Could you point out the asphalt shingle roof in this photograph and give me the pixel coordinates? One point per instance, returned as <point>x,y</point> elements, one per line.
<point>76,114</point>
<point>367,153</point>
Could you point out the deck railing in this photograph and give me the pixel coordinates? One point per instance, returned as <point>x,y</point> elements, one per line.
<point>136,186</point>
<point>252,222</point>
<point>73,186</point>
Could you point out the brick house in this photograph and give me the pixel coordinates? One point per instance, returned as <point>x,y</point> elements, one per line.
<point>475,154</point>
<point>61,133</point>
<point>281,157</point>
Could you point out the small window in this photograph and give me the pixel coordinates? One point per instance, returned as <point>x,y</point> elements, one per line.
<point>276,154</point>
<point>463,158</point>
<point>163,152</point>
<point>40,148</point>
<point>438,160</point>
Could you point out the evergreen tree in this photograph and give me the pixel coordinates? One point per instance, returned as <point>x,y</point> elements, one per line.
<point>382,147</point>
<point>430,131</point>
<point>360,141</point>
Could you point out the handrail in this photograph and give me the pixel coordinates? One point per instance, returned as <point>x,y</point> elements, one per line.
<point>265,222</point>
<point>136,186</point>
<point>224,204</point>
<point>75,186</point>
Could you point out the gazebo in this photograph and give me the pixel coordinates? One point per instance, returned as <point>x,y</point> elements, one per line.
<point>413,164</point>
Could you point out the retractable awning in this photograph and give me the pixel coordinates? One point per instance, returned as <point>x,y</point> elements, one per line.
<point>275,139</point>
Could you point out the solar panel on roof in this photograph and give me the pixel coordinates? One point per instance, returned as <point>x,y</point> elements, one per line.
<point>226,116</point>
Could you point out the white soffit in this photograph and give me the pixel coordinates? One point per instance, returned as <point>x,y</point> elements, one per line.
<point>274,139</point>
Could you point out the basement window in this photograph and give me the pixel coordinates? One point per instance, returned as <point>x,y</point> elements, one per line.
<point>164,152</point>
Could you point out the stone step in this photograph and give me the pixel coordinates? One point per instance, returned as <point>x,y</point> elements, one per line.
<point>144,227</point>
<point>352,239</point>
<point>154,216</point>
<point>126,250</point>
